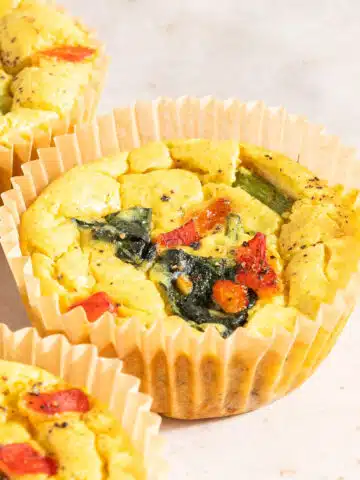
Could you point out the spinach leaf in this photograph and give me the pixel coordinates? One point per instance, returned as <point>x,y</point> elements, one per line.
<point>203,271</point>
<point>197,307</point>
<point>135,222</point>
<point>129,231</point>
<point>135,251</point>
<point>198,315</point>
<point>106,233</point>
<point>99,230</point>
<point>88,225</point>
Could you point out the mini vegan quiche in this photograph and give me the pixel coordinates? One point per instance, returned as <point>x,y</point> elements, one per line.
<point>196,231</point>
<point>48,61</point>
<point>220,272</point>
<point>49,429</point>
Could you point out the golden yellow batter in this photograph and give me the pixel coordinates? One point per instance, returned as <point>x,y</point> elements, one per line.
<point>210,232</point>
<point>46,61</point>
<point>51,430</point>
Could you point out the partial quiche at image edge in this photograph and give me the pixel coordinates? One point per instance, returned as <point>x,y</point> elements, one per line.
<point>181,237</point>
<point>52,70</point>
<point>87,421</point>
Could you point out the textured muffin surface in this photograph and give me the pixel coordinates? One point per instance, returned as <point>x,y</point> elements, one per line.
<point>51,430</point>
<point>206,232</point>
<point>47,60</point>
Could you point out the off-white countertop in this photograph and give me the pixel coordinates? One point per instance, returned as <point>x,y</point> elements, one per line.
<point>301,54</point>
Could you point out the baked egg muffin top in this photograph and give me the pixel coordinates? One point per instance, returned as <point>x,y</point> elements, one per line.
<point>47,60</point>
<point>51,430</point>
<point>206,232</point>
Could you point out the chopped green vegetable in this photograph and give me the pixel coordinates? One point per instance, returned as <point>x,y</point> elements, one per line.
<point>264,191</point>
<point>88,225</point>
<point>186,280</point>
<point>234,228</point>
<point>100,230</point>
<point>289,176</point>
<point>197,306</point>
<point>134,221</point>
<point>197,314</point>
<point>135,251</point>
<point>129,231</point>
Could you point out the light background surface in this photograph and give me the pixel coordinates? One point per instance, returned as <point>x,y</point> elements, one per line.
<point>303,55</point>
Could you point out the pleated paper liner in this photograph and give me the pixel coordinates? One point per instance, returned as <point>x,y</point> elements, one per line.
<point>102,378</point>
<point>22,149</point>
<point>188,375</point>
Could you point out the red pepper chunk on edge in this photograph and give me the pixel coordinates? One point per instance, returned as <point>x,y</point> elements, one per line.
<point>254,270</point>
<point>69,53</point>
<point>254,251</point>
<point>96,305</point>
<point>17,459</point>
<point>196,228</point>
<point>230,296</point>
<point>215,214</point>
<point>263,282</point>
<point>52,403</point>
<point>184,235</point>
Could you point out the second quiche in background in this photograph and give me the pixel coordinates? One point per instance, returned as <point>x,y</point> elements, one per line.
<point>48,61</point>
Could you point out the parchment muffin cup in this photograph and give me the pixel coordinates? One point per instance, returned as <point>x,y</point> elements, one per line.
<point>189,375</point>
<point>20,149</point>
<point>102,378</point>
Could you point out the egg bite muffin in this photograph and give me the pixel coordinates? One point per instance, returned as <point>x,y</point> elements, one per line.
<point>196,231</point>
<point>7,5</point>
<point>48,63</point>
<point>49,429</point>
<point>173,256</point>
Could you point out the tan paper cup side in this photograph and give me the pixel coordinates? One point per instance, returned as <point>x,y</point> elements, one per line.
<point>103,378</point>
<point>189,376</point>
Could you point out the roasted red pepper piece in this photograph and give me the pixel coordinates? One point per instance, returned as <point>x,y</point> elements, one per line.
<point>70,53</point>
<point>215,214</point>
<point>96,305</point>
<point>184,235</point>
<point>254,270</point>
<point>230,296</point>
<point>72,400</point>
<point>253,251</point>
<point>264,282</point>
<point>196,228</point>
<point>18,459</point>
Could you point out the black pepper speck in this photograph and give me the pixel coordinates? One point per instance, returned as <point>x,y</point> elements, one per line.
<point>61,425</point>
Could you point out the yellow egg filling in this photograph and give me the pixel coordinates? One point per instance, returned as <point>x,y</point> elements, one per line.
<point>103,228</point>
<point>35,86</point>
<point>84,441</point>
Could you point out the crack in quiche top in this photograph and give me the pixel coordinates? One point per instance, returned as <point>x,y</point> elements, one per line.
<point>46,61</point>
<point>51,430</point>
<point>206,232</point>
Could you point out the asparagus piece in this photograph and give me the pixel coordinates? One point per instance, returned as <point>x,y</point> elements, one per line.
<point>292,178</point>
<point>264,191</point>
